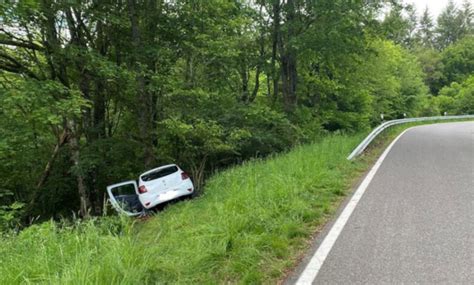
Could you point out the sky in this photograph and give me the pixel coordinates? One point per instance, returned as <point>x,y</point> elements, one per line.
<point>435,6</point>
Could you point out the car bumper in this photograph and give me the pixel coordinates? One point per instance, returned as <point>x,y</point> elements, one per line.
<point>151,200</point>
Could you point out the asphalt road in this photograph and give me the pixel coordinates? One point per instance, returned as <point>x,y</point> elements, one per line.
<point>415,222</point>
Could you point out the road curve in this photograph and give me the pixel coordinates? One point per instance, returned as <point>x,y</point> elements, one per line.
<point>415,221</point>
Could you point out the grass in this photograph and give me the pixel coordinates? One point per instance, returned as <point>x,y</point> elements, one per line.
<point>249,227</point>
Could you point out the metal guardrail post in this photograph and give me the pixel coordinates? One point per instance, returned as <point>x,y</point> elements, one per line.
<point>365,143</point>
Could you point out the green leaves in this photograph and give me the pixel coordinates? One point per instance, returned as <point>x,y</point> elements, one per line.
<point>396,82</point>
<point>457,98</point>
<point>44,103</point>
<point>458,60</point>
<point>9,212</point>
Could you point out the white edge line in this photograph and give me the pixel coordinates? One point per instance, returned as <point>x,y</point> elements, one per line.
<point>312,269</point>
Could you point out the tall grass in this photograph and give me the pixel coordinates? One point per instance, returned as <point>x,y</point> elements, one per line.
<point>99,252</point>
<point>249,226</point>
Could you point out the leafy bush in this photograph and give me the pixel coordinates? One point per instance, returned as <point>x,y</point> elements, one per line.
<point>202,135</point>
<point>458,61</point>
<point>9,213</point>
<point>458,98</point>
<point>455,99</point>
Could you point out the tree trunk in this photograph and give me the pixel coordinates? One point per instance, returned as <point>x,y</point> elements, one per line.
<point>275,40</point>
<point>256,86</point>
<point>47,170</point>
<point>260,62</point>
<point>289,78</point>
<point>244,75</point>
<point>53,47</point>
<point>189,74</point>
<point>146,102</point>
<point>288,59</point>
<point>62,140</point>
<point>197,170</point>
<point>75,157</point>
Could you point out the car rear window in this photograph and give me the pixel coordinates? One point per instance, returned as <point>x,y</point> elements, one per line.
<point>159,173</point>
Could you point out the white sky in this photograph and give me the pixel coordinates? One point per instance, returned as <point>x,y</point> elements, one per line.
<point>435,6</point>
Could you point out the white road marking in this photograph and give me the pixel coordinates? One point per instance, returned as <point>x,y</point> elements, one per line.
<point>314,265</point>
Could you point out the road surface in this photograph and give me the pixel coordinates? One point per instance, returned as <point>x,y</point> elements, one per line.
<point>415,221</point>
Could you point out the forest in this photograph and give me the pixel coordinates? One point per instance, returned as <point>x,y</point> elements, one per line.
<point>94,92</point>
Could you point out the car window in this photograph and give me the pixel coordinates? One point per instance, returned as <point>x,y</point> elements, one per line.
<point>127,189</point>
<point>159,173</point>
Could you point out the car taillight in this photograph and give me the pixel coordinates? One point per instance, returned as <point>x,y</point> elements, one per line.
<point>184,175</point>
<point>142,189</point>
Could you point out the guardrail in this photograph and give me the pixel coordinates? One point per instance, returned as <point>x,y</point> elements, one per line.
<point>365,143</point>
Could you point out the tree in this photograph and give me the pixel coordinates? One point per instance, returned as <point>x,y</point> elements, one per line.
<point>425,32</point>
<point>396,81</point>
<point>432,66</point>
<point>45,62</point>
<point>466,14</point>
<point>286,26</point>
<point>457,98</point>
<point>450,27</point>
<point>124,61</point>
<point>400,24</point>
<point>458,61</point>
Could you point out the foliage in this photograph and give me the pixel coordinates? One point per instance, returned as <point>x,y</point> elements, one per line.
<point>432,66</point>
<point>399,24</point>
<point>396,80</point>
<point>457,98</point>
<point>458,61</point>
<point>453,24</point>
<point>9,214</point>
<point>425,33</point>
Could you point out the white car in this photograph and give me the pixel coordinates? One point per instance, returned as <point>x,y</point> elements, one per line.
<point>154,187</point>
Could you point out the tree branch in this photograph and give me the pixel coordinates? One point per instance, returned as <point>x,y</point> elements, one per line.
<point>62,140</point>
<point>27,45</point>
<point>15,66</point>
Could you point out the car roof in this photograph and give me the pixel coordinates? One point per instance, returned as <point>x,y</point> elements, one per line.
<point>158,168</point>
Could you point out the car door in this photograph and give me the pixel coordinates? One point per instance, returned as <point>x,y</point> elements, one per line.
<point>124,198</point>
